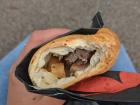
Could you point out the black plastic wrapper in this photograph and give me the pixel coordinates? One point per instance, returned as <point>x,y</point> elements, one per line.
<point>130,95</point>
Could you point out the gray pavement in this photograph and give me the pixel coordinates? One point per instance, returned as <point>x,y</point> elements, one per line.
<point>18,18</point>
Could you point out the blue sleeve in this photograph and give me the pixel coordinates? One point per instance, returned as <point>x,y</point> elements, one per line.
<point>5,65</point>
<point>123,62</point>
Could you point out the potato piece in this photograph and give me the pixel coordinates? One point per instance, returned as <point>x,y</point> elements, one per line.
<point>76,67</point>
<point>56,67</point>
<point>58,70</point>
<point>52,60</point>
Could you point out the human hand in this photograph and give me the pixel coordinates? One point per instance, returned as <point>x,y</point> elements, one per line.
<point>17,94</point>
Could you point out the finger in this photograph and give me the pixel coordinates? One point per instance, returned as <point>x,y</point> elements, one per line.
<point>39,37</point>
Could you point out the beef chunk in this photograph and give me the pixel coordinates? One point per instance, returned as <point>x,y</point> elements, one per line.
<point>70,58</point>
<point>77,60</point>
<point>80,56</point>
<point>83,56</point>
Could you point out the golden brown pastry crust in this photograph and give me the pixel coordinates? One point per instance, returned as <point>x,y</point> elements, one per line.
<point>103,36</point>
